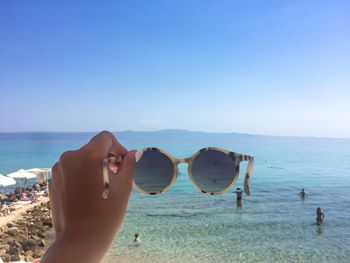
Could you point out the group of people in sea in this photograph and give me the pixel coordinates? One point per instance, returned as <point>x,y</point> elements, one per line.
<point>239,192</point>
<point>319,213</point>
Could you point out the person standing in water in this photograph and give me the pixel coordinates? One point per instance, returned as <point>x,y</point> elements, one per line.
<point>319,216</point>
<point>303,194</point>
<point>239,193</point>
<point>137,239</point>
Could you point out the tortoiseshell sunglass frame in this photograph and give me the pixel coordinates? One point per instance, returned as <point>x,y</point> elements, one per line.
<point>237,158</point>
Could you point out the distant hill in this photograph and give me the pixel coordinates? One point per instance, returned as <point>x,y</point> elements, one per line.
<point>180,132</point>
<point>160,133</point>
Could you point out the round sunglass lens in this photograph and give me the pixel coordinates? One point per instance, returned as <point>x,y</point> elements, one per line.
<point>153,172</point>
<point>213,171</point>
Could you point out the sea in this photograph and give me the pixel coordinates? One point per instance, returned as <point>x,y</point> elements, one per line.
<point>182,225</point>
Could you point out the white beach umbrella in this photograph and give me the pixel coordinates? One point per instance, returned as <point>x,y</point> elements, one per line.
<point>41,173</point>
<point>6,181</point>
<point>39,170</point>
<point>22,174</point>
<point>35,170</point>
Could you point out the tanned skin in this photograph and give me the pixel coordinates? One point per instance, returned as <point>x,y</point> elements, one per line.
<point>85,224</point>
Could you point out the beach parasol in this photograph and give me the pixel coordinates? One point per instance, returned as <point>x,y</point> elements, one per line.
<point>41,174</point>
<point>6,181</point>
<point>38,170</point>
<point>23,175</point>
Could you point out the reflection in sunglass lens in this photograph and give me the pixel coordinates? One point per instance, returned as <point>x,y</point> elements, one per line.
<point>213,171</point>
<point>153,172</point>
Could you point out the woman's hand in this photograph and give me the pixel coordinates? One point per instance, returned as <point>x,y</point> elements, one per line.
<point>84,222</point>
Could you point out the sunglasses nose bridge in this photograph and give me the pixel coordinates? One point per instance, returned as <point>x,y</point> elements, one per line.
<point>182,160</point>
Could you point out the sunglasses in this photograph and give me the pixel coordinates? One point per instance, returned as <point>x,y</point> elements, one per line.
<point>212,170</point>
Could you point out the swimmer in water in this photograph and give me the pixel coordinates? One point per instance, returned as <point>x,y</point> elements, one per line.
<point>320,216</point>
<point>137,239</point>
<point>303,194</point>
<point>239,193</point>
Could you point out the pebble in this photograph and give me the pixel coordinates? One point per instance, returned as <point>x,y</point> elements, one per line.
<point>24,239</point>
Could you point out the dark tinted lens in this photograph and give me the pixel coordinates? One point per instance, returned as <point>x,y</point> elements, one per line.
<point>213,171</point>
<point>153,172</point>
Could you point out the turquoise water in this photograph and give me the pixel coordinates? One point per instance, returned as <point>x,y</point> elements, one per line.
<point>182,225</point>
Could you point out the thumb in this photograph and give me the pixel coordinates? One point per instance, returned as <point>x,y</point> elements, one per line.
<point>128,164</point>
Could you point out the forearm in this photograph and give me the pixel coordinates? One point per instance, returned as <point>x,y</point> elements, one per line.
<point>73,250</point>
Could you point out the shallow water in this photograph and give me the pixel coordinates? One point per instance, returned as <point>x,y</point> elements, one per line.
<point>182,225</point>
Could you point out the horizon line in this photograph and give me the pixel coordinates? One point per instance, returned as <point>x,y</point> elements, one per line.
<point>188,131</point>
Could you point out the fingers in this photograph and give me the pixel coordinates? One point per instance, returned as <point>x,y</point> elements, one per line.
<point>54,185</point>
<point>125,172</point>
<point>117,148</point>
<point>103,144</point>
<point>55,171</point>
<point>100,144</point>
<point>54,208</point>
<point>128,164</point>
<point>121,183</point>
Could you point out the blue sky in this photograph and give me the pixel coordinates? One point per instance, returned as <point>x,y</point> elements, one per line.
<point>262,67</point>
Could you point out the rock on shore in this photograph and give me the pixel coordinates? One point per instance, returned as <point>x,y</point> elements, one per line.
<point>24,239</point>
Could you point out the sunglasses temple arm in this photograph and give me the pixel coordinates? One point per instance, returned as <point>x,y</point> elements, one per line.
<point>105,163</point>
<point>248,173</point>
<point>105,191</point>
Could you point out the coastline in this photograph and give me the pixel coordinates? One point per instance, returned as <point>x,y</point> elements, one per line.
<point>24,233</point>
